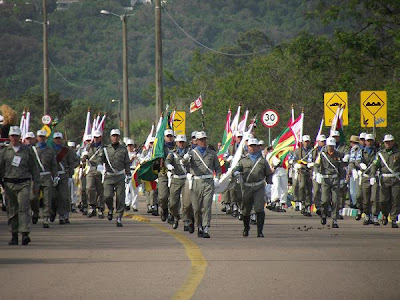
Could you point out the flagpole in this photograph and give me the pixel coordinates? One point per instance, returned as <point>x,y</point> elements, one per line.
<point>203,125</point>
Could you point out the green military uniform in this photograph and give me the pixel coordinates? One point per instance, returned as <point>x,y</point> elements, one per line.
<point>304,180</point>
<point>370,193</point>
<point>255,172</point>
<point>94,185</point>
<point>343,149</point>
<point>175,158</point>
<point>61,201</point>
<point>330,166</point>
<point>117,164</point>
<point>18,169</point>
<point>387,162</point>
<point>48,170</point>
<point>202,166</point>
<point>163,189</point>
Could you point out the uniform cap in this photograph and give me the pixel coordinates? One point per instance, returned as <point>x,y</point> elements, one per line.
<point>194,134</point>
<point>335,133</point>
<point>15,130</point>
<point>362,135</point>
<point>386,138</point>
<point>354,139</point>
<point>252,141</point>
<point>57,135</point>
<point>41,133</point>
<point>181,138</point>
<point>331,141</point>
<point>88,137</point>
<point>249,136</point>
<point>306,138</point>
<point>321,138</point>
<point>261,142</point>
<point>97,133</point>
<point>369,137</point>
<point>152,139</point>
<point>71,144</point>
<point>30,134</point>
<point>200,135</point>
<point>115,132</point>
<point>239,133</point>
<point>168,132</point>
<point>130,142</point>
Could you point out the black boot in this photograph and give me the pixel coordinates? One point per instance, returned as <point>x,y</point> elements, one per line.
<point>25,238</point>
<point>246,224</point>
<point>164,214</point>
<point>260,223</point>
<point>14,239</point>
<point>394,224</point>
<point>155,210</point>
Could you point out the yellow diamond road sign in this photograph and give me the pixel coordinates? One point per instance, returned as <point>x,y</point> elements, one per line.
<point>179,122</point>
<point>332,101</point>
<point>373,107</point>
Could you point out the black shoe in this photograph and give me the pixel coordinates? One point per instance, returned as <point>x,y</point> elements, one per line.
<point>375,221</point>
<point>25,238</point>
<point>323,220</point>
<point>366,222</point>
<point>319,212</point>
<point>170,219</point>
<point>67,221</point>
<point>394,225</point>
<point>155,210</point>
<point>335,224</point>
<point>303,211</point>
<point>3,208</point>
<point>127,207</point>
<point>240,217</point>
<point>110,215</point>
<point>185,227</point>
<point>307,214</point>
<point>149,209</point>
<point>100,214</point>
<point>35,219</point>
<point>84,211</point>
<point>385,220</point>
<point>191,228</point>
<point>200,232</point>
<point>340,217</point>
<point>296,208</point>
<point>119,222</point>
<point>329,214</point>
<point>223,209</point>
<point>358,217</point>
<point>46,225</point>
<point>52,218</point>
<point>246,224</point>
<point>260,223</point>
<point>245,232</point>
<point>164,215</point>
<point>175,224</point>
<point>14,239</point>
<point>135,210</point>
<point>260,235</point>
<point>206,235</point>
<point>235,213</point>
<point>61,222</point>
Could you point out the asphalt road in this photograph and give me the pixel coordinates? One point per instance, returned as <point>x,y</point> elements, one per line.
<point>147,259</point>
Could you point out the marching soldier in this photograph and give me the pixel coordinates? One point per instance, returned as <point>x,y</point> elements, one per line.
<point>203,163</point>
<point>387,162</point>
<point>175,165</point>
<point>18,168</point>
<point>117,163</point>
<point>330,169</point>
<point>93,158</point>
<point>353,173</point>
<point>83,193</point>
<point>131,192</point>
<point>321,140</point>
<point>163,190</point>
<point>48,168</point>
<point>255,171</point>
<point>303,156</point>
<point>67,161</point>
<point>370,192</point>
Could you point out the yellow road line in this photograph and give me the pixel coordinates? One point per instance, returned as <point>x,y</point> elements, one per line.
<point>193,252</point>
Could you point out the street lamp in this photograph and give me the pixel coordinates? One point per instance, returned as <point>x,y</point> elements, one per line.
<point>124,68</point>
<point>119,112</point>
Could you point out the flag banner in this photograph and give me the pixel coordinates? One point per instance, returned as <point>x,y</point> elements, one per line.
<point>196,104</point>
<point>226,139</point>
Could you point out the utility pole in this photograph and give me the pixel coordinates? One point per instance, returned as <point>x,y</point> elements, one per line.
<point>45,62</point>
<point>159,66</point>
<point>125,76</point>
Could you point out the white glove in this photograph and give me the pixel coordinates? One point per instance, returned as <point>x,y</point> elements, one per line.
<point>56,180</point>
<point>170,167</point>
<point>229,159</point>
<point>297,166</point>
<point>372,181</point>
<point>186,157</point>
<point>310,165</point>
<point>354,173</point>
<point>363,166</point>
<point>84,153</point>
<point>346,158</point>
<point>319,178</point>
<point>236,173</point>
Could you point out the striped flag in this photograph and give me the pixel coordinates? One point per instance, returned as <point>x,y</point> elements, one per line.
<point>196,104</point>
<point>226,139</point>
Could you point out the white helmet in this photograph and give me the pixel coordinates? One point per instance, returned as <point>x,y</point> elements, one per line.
<point>181,138</point>
<point>331,141</point>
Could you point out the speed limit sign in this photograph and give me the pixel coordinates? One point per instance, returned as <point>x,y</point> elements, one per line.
<point>46,119</point>
<point>270,118</point>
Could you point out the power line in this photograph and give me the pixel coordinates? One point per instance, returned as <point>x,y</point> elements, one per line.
<point>66,80</point>
<point>206,47</point>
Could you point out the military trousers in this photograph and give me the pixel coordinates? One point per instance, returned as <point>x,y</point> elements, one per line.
<point>305,188</point>
<point>163,191</point>
<point>18,206</point>
<point>177,188</point>
<point>389,197</point>
<point>187,207</point>
<point>370,196</point>
<point>95,190</point>
<point>253,197</point>
<point>151,197</point>
<point>115,185</point>
<point>330,194</point>
<point>202,194</point>
<point>60,198</point>
<point>84,197</point>
<point>316,193</point>
<point>46,190</point>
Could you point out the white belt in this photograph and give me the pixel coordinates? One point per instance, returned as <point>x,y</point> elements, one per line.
<point>115,174</point>
<point>391,175</point>
<point>179,176</point>
<point>252,184</point>
<point>365,175</point>
<point>44,173</point>
<point>329,176</point>
<point>204,177</point>
<point>61,172</point>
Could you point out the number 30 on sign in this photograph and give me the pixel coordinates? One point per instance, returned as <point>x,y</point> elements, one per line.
<point>270,118</point>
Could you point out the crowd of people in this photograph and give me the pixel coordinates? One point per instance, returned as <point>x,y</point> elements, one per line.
<point>46,182</point>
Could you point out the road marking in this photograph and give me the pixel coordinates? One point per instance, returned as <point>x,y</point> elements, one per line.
<point>193,252</point>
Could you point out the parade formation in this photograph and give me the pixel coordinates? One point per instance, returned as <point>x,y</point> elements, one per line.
<point>45,177</point>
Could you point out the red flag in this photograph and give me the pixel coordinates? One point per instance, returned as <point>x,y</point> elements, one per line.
<point>196,104</point>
